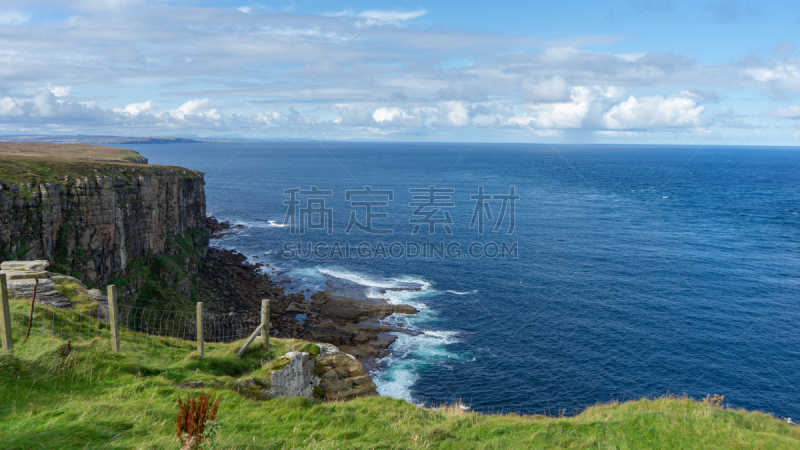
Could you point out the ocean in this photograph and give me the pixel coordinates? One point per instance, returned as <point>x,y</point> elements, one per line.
<point>601,272</point>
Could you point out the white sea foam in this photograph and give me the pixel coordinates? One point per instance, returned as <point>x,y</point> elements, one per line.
<point>409,353</point>
<point>258,223</point>
<point>306,278</point>
<point>374,282</point>
<point>396,381</point>
<point>400,370</point>
<point>475,291</point>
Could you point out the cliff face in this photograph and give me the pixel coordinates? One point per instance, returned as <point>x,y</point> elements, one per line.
<point>94,225</point>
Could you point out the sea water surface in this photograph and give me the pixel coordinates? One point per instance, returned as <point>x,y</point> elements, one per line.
<point>640,270</point>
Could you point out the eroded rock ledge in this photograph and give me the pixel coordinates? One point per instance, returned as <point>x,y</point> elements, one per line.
<point>331,376</point>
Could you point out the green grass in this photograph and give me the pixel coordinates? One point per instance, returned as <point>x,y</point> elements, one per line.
<point>24,168</point>
<point>70,151</point>
<point>90,398</point>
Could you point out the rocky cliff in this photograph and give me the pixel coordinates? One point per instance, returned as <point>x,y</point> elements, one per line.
<point>92,220</point>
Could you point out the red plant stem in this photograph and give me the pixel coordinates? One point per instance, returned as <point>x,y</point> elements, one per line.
<point>30,319</point>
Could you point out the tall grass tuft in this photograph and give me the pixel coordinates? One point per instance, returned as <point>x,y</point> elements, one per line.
<point>193,414</point>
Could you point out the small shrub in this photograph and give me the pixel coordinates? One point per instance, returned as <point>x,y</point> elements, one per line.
<point>193,416</point>
<point>715,401</point>
<point>210,435</point>
<point>319,392</point>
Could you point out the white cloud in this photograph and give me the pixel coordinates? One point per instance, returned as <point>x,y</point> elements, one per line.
<point>455,113</point>
<point>416,80</point>
<point>582,104</point>
<point>273,118</point>
<point>655,112</point>
<point>60,91</point>
<point>389,17</point>
<point>460,90</point>
<point>565,114</point>
<point>197,107</point>
<point>135,109</point>
<point>791,112</point>
<point>387,114</point>
<point>270,118</point>
<point>8,107</point>
<point>44,101</point>
<point>783,75</point>
<point>13,18</point>
<point>553,89</point>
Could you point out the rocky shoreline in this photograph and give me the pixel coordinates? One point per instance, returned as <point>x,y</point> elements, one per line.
<point>231,283</point>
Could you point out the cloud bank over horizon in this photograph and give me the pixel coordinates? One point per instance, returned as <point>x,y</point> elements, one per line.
<point>138,68</point>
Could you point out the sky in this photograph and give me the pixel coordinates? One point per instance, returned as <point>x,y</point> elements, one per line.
<point>616,71</point>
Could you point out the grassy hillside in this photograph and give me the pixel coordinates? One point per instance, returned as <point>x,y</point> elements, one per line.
<point>85,397</point>
<point>50,163</point>
<point>80,152</point>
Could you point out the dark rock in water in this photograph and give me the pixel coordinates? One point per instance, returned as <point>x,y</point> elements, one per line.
<point>331,334</point>
<point>221,229</point>
<point>405,309</point>
<point>351,324</point>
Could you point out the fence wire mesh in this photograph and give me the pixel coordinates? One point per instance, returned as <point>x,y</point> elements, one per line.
<point>50,327</point>
<point>146,334</point>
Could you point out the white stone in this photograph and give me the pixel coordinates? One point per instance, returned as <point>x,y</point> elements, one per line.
<point>24,265</point>
<point>296,378</point>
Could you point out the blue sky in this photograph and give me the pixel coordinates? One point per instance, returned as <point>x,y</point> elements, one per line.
<point>627,71</point>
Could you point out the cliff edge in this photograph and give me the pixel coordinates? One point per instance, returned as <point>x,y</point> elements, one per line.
<point>91,219</point>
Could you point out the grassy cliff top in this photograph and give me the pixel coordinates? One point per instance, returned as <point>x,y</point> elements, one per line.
<point>78,152</point>
<point>22,162</point>
<point>82,396</point>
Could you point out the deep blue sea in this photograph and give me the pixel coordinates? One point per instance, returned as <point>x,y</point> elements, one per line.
<point>639,270</point>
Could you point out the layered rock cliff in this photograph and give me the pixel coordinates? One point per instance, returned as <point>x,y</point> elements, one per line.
<point>91,220</point>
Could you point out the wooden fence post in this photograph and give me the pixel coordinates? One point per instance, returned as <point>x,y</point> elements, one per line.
<point>5,317</point>
<point>249,340</point>
<point>200,329</point>
<point>265,322</point>
<point>112,317</point>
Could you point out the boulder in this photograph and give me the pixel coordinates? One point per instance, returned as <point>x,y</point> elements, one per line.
<point>20,266</point>
<point>96,294</point>
<point>341,376</point>
<point>45,294</point>
<point>190,385</point>
<point>332,375</point>
<point>296,378</point>
<point>404,309</point>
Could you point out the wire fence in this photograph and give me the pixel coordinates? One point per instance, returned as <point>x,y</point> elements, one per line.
<point>146,334</point>
<point>165,334</point>
<point>50,327</point>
